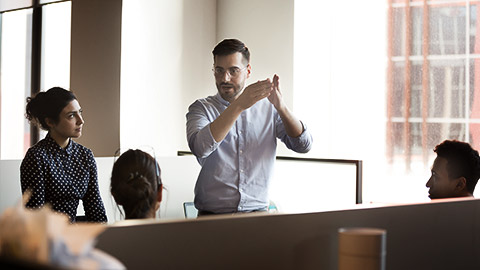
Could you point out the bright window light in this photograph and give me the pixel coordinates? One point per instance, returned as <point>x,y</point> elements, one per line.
<point>15,83</point>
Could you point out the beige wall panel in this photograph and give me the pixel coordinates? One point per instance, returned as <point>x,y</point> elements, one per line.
<point>95,71</point>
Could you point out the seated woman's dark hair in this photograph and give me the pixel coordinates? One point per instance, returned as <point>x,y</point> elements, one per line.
<point>136,184</point>
<point>47,104</point>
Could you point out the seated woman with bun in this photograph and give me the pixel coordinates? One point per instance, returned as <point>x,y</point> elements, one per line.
<point>58,171</point>
<point>136,184</point>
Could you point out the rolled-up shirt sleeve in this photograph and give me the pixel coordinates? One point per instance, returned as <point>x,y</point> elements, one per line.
<point>300,144</point>
<point>199,135</point>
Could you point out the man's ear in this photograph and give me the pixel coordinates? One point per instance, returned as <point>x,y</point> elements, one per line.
<point>461,184</point>
<point>249,70</point>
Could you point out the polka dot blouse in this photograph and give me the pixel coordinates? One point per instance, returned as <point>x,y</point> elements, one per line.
<point>62,177</point>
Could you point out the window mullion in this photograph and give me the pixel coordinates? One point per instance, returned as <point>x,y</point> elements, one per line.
<point>408,44</point>
<point>425,79</point>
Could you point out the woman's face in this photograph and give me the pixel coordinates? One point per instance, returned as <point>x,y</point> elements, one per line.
<point>70,121</point>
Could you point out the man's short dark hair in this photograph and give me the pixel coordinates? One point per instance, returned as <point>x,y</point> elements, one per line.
<point>230,46</point>
<point>462,160</point>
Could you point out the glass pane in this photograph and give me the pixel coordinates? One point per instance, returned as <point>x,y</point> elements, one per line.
<point>416,139</point>
<point>447,30</point>
<point>399,140</point>
<point>417,26</point>
<point>474,99</point>
<point>447,89</point>
<point>15,83</point>
<point>475,135</point>
<point>15,4</point>
<point>398,135</point>
<point>474,45</point>
<point>398,31</point>
<point>398,89</point>
<point>416,89</point>
<point>438,132</point>
<point>435,132</point>
<point>474,94</point>
<point>56,27</point>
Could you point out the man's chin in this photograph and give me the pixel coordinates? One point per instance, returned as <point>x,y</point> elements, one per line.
<point>434,197</point>
<point>228,96</point>
<point>228,90</point>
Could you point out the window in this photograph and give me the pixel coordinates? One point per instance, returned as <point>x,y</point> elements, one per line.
<point>16,68</point>
<point>364,98</point>
<point>56,28</point>
<point>433,59</point>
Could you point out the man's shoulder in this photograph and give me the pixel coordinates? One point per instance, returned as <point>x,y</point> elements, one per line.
<point>206,102</point>
<point>208,99</point>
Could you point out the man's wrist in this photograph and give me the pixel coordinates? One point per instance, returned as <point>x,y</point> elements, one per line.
<point>236,106</point>
<point>281,108</point>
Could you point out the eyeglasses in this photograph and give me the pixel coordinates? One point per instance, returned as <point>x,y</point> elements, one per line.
<point>233,72</point>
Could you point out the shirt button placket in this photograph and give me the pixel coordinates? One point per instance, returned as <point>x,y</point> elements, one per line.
<point>241,163</point>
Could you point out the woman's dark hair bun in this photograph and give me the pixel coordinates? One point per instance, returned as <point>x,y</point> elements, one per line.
<point>47,104</point>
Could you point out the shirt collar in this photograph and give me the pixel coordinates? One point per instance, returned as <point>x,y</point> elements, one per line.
<point>69,148</point>
<point>221,100</point>
<point>54,145</point>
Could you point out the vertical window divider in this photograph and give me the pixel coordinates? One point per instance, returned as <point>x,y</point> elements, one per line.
<point>1,21</point>
<point>390,139</point>
<point>467,72</point>
<point>425,79</point>
<point>408,44</point>
<point>36,61</point>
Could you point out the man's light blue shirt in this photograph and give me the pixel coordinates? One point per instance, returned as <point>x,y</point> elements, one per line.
<point>236,172</point>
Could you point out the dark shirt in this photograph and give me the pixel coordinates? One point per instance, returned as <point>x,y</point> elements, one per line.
<point>62,177</point>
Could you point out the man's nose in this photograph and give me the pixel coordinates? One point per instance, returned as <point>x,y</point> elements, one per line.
<point>226,76</point>
<point>428,184</point>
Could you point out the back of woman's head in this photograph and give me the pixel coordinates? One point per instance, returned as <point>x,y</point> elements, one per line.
<point>47,104</point>
<point>136,183</point>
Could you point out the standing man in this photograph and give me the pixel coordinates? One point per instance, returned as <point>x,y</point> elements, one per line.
<point>233,135</point>
<point>455,171</point>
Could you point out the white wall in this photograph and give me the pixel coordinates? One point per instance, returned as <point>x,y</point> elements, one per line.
<point>266,28</point>
<point>165,66</point>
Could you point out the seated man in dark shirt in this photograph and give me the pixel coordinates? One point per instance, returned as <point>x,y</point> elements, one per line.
<point>455,171</point>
